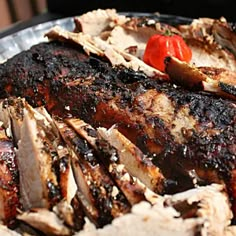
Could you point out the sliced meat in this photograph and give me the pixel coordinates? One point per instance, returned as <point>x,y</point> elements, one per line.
<point>133,159</point>
<point>217,31</point>
<point>96,188</point>
<point>211,41</point>
<point>224,33</point>
<point>131,41</point>
<point>199,29</point>
<point>129,155</point>
<point>202,204</point>
<point>67,183</point>
<point>8,232</point>
<point>62,160</point>
<point>44,220</point>
<point>97,21</point>
<point>210,55</point>
<point>9,182</point>
<point>100,47</point>
<point>38,188</point>
<point>219,81</point>
<point>134,190</point>
<point>133,36</point>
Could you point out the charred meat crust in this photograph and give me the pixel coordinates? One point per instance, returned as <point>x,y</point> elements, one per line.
<point>126,167</point>
<point>9,180</point>
<point>101,95</point>
<point>97,182</point>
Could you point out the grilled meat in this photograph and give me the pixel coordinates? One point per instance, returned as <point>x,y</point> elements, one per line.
<point>217,31</point>
<point>96,22</point>
<point>38,188</point>
<point>128,154</point>
<point>181,131</point>
<point>214,80</point>
<point>46,221</point>
<point>194,212</point>
<point>100,47</point>
<point>212,42</point>
<point>123,163</point>
<point>156,137</point>
<point>31,75</point>
<point>9,183</point>
<point>94,184</point>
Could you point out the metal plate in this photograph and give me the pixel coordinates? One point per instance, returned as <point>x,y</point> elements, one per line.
<point>24,39</point>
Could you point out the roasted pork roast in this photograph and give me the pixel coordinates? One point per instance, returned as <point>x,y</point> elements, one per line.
<point>89,131</point>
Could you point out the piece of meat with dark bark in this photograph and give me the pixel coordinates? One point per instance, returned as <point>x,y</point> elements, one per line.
<point>210,79</point>
<point>9,182</point>
<point>128,154</point>
<point>30,73</point>
<point>104,201</point>
<point>95,45</point>
<point>38,188</point>
<point>190,136</point>
<point>125,167</point>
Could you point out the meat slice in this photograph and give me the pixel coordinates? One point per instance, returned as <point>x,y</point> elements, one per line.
<point>46,221</point>
<point>224,34</point>
<point>8,232</point>
<point>217,31</point>
<point>98,194</point>
<point>214,80</point>
<point>38,188</point>
<point>128,154</point>
<point>134,190</point>
<point>133,36</point>
<point>167,218</point>
<point>209,54</point>
<point>133,159</point>
<point>100,47</point>
<point>62,161</point>
<point>9,182</point>
<point>66,210</point>
<point>204,202</point>
<point>212,42</point>
<point>97,21</point>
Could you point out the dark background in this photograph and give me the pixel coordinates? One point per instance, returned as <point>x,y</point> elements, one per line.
<point>197,8</point>
<point>193,9</point>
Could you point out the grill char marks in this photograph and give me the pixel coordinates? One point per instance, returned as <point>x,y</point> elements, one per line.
<point>183,132</point>
<point>95,187</point>
<point>38,188</point>
<point>9,184</point>
<point>31,73</point>
<point>134,174</point>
